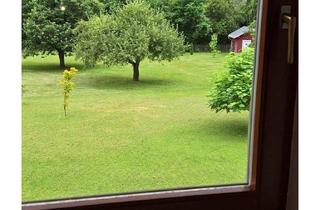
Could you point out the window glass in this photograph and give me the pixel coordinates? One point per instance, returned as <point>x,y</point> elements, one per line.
<point>135,96</point>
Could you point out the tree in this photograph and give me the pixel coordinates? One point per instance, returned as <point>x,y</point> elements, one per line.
<point>224,17</point>
<point>249,11</point>
<point>27,6</point>
<point>48,25</point>
<point>232,91</point>
<point>110,5</point>
<point>129,35</point>
<point>252,30</point>
<point>189,16</point>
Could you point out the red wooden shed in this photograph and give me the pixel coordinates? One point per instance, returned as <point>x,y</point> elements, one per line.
<point>240,39</point>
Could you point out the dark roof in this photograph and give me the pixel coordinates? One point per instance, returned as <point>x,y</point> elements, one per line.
<point>239,32</point>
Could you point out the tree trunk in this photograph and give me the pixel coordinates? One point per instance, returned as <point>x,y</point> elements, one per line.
<point>61,59</point>
<point>135,71</point>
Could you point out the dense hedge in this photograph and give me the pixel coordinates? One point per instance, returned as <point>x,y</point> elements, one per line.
<point>232,90</point>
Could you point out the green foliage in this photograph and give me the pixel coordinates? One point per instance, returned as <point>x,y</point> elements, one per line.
<point>129,35</point>
<point>27,6</point>
<point>252,30</point>
<point>47,29</point>
<point>67,86</point>
<point>93,37</point>
<point>232,91</point>
<point>189,16</point>
<point>224,17</point>
<point>110,5</point>
<point>249,11</point>
<point>48,24</point>
<point>214,44</point>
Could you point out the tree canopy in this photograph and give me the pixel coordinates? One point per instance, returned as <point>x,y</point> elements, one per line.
<point>110,5</point>
<point>130,34</point>
<point>249,11</point>
<point>198,19</point>
<point>224,17</point>
<point>48,24</point>
<point>189,16</point>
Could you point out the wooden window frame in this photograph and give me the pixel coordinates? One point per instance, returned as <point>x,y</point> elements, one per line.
<point>275,94</point>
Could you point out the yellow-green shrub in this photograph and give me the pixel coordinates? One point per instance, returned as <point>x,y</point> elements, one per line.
<point>67,86</point>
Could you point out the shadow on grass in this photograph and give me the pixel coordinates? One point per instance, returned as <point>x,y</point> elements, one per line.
<point>228,126</point>
<point>50,67</point>
<point>124,82</point>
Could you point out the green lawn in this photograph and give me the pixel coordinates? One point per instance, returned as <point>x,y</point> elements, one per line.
<point>124,136</point>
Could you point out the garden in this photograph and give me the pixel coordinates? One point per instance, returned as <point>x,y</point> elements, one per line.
<point>123,101</point>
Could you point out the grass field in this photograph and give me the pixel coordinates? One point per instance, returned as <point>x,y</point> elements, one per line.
<point>124,136</point>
